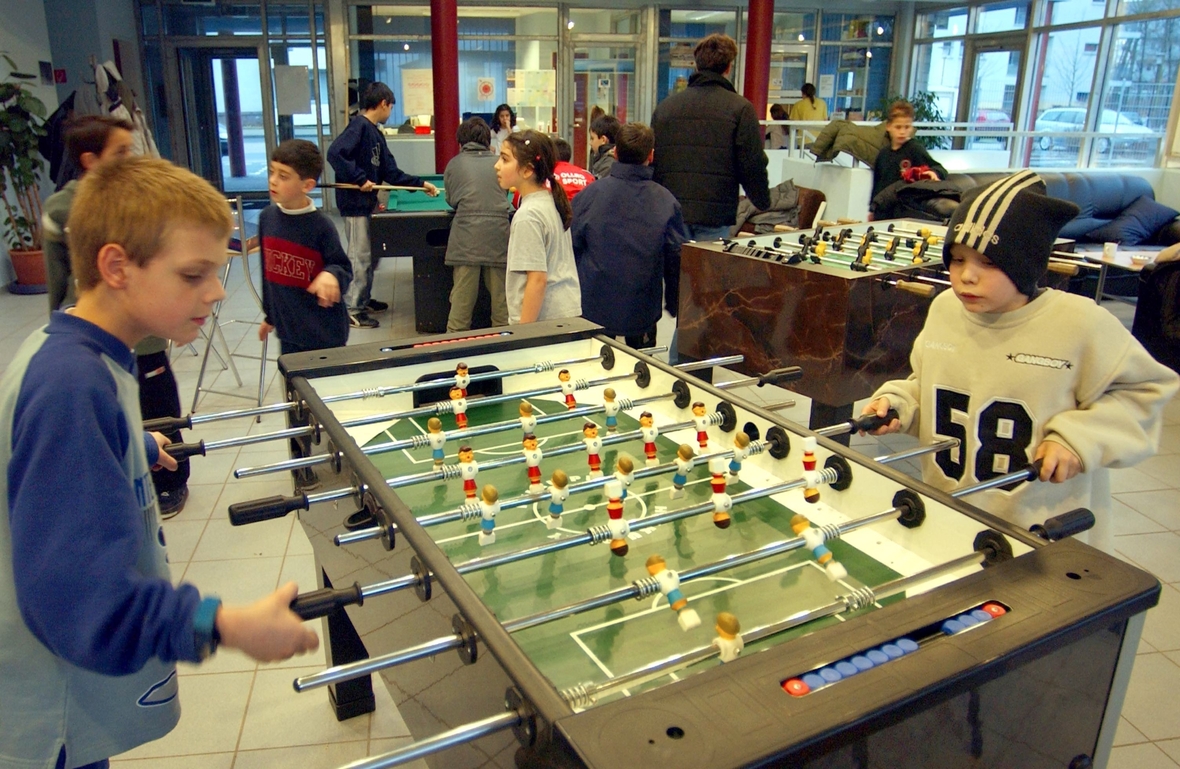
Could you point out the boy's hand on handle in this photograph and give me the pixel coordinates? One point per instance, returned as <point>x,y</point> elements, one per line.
<point>431,190</point>
<point>264,330</point>
<point>880,408</point>
<point>367,186</point>
<point>267,630</point>
<point>1058,464</point>
<point>326,288</point>
<point>165,460</point>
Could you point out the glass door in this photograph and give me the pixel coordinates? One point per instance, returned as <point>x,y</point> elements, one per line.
<point>604,77</point>
<point>228,113</point>
<point>990,90</point>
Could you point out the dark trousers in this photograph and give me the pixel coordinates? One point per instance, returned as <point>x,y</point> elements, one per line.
<point>158,397</point>
<point>61,762</point>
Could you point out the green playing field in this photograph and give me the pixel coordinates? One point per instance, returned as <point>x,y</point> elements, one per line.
<point>600,644</point>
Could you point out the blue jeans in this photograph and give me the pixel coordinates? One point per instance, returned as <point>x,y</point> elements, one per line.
<point>698,232</point>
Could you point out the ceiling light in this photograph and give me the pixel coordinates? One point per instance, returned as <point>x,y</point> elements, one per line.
<point>569,24</point>
<point>406,47</point>
<point>868,54</point>
<point>880,30</point>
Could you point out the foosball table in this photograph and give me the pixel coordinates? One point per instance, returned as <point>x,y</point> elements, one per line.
<point>566,553</point>
<point>845,302</point>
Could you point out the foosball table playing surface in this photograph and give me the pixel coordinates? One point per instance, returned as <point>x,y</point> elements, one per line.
<point>672,604</point>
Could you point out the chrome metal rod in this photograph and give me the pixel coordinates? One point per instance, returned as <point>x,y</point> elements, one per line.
<point>200,419</point>
<point>722,360</point>
<point>778,406</point>
<point>918,451</point>
<point>388,586</point>
<point>249,440</point>
<point>460,735</point>
<point>1027,474</point>
<point>353,670</point>
<point>284,464</point>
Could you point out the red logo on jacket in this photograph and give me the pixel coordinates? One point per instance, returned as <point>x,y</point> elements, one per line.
<point>290,264</point>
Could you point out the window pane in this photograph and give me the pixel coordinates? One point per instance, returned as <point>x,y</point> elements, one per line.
<point>694,25</point>
<point>790,27</point>
<point>390,20</point>
<point>1137,95</point>
<point>508,21</point>
<point>675,67</point>
<point>1070,11</point>
<point>1129,7</point>
<point>290,20</point>
<point>846,26</point>
<point>213,20</point>
<point>1062,95</point>
<point>151,21</point>
<point>944,23</point>
<point>937,69</point>
<point>862,77</point>
<point>623,22</point>
<point>1007,16</point>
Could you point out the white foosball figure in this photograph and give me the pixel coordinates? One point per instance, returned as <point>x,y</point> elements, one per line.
<point>741,450</point>
<point>438,441</point>
<point>814,540</point>
<point>462,379</point>
<point>729,643</point>
<point>669,582</point>
<point>722,502</point>
<point>489,506</point>
<point>558,494</point>
<point>685,459</point>
<point>625,473</point>
<point>528,422</point>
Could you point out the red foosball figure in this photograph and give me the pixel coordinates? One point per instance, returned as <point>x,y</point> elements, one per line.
<point>701,422</point>
<point>649,432</point>
<point>532,460</point>
<point>593,448</point>
<point>614,511</point>
<point>462,379</point>
<point>811,492</point>
<point>459,407</point>
<point>567,388</point>
<point>468,469</point>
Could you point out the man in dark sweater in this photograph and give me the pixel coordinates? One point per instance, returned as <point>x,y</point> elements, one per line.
<point>708,142</point>
<point>626,234</point>
<point>904,159</point>
<point>360,156</point>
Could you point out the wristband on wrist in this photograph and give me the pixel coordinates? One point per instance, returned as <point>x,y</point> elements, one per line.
<point>205,635</point>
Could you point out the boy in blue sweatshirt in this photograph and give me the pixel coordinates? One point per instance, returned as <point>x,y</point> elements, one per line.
<point>360,156</point>
<point>627,233</point>
<point>303,266</point>
<point>90,624</point>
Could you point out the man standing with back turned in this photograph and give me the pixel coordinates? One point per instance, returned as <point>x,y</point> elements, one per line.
<point>708,141</point>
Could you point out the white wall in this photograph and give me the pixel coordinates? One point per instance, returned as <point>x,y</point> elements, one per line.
<point>24,37</point>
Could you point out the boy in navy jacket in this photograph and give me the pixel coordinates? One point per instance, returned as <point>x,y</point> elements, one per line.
<point>627,233</point>
<point>91,625</point>
<point>360,156</point>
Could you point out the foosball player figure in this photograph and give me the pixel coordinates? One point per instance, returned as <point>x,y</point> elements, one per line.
<point>729,643</point>
<point>459,407</point>
<point>814,539</point>
<point>528,422</point>
<point>489,506</point>
<point>611,409</point>
<point>567,388</point>
<point>532,460</point>
<point>593,449</point>
<point>558,494</point>
<point>462,379</point>
<point>722,502</point>
<point>669,582</point>
<point>649,432</point>
<point>614,511</point>
<point>684,464</point>
<point>468,469</point>
<point>741,450</point>
<point>438,440</point>
<point>811,491</point>
<point>701,421</point>
<point>625,473</point>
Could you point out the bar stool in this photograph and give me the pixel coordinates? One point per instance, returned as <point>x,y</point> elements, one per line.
<point>215,325</point>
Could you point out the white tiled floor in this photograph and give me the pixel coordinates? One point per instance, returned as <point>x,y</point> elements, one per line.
<point>241,715</point>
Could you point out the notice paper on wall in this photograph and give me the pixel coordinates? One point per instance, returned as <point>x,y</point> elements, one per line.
<point>417,92</point>
<point>292,90</point>
<point>827,86</point>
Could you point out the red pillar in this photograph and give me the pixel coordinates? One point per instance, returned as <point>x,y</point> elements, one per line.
<point>444,46</point>
<point>758,37</point>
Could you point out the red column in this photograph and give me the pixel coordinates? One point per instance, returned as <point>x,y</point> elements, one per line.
<point>758,37</point>
<point>444,46</point>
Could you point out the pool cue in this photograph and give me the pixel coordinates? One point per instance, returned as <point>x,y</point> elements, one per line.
<point>342,186</point>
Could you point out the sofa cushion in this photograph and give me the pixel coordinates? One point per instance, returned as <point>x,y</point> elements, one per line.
<point>1081,227</point>
<point>1137,224</point>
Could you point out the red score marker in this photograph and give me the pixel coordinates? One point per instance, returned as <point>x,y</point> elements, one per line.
<point>994,609</point>
<point>795,687</point>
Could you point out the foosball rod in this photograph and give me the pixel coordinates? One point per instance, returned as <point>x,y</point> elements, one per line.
<point>171,424</point>
<point>460,735</point>
<point>922,232</point>
<point>322,602</point>
<point>439,407</point>
<point>638,589</point>
<point>584,695</point>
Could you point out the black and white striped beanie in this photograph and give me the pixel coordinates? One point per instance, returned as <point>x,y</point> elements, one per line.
<point>1013,223</point>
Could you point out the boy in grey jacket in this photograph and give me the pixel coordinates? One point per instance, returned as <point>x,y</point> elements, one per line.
<point>478,244</point>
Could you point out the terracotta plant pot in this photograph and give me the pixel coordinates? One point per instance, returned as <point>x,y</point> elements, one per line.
<point>30,272</point>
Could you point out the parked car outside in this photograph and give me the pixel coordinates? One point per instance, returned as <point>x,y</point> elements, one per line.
<point>1124,125</point>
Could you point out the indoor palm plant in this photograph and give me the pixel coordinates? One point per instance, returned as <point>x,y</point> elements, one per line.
<point>22,118</point>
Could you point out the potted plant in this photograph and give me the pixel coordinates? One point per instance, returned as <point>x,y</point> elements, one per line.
<point>22,118</point>
<point>925,111</point>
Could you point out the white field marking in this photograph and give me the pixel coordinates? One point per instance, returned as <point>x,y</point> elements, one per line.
<point>506,449</point>
<point>593,657</point>
<point>538,518</point>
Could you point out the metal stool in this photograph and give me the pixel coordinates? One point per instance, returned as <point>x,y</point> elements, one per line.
<point>215,332</point>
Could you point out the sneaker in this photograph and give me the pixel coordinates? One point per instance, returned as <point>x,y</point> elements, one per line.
<point>361,319</point>
<point>172,502</point>
<point>375,306</point>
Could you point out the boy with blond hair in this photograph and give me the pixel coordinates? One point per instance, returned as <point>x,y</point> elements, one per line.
<point>90,624</point>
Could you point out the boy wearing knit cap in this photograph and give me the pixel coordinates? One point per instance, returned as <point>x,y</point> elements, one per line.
<point>1020,373</point>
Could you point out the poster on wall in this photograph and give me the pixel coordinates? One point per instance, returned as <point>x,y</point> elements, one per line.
<point>292,90</point>
<point>485,89</point>
<point>827,86</point>
<point>417,92</point>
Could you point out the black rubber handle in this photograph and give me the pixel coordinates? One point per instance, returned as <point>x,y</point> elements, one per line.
<point>870,422</point>
<point>168,424</point>
<point>321,603</point>
<point>1065,525</point>
<point>241,513</point>
<point>184,450</point>
<point>780,375</point>
<point>1034,470</point>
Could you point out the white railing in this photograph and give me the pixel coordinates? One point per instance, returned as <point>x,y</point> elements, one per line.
<point>1013,148</point>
